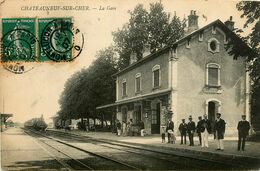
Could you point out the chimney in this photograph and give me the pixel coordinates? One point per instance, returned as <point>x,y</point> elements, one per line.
<point>146,50</point>
<point>133,58</point>
<point>192,21</point>
<point>230,24</point>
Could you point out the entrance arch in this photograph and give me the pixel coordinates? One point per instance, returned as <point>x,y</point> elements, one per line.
<point>213,106</point>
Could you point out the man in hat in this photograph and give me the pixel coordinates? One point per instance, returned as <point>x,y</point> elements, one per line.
<point>169,128</point>
<point>191,129</point>
<point>199,128</point>
<point>243,128</point>
<point>219,131</point>
<point>205,131</point>
<point>183,130</point>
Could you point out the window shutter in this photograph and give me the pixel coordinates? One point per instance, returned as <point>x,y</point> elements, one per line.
<point>156,78</point>
<point>138,86</point>
<point>213,76</point>
<point>124,89</point>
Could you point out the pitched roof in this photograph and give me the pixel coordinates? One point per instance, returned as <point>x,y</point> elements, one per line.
<point>165,49</point>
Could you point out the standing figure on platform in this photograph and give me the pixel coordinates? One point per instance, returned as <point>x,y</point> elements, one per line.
<point>183,131</point>
<point>118,127</point>
<point>124,128</point>
<point>199,128</point>
<point>141,125</point>
<point>205,131</point>
<point>169,128</point>
<point>128,128</point>
<point>243,128</point>
<point>191,129</point>
<point>219,131</point>
<point>163,134</point>
<point>131,130</point>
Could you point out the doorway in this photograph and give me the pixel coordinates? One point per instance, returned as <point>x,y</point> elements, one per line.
<point>213,109</point>
<point>156,113</point>
<point>124,114</point>
<point>137,114</point>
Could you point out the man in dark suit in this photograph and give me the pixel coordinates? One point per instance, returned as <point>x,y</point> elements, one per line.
<point>191,129</point>
<point>205,131</point>
<point>219,131</point>
<point>199,128</point>
<point>183,131</point>
<point>243,128</point>
<point>170,126</point>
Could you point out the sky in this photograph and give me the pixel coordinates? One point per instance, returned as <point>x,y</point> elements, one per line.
<point>36,92</point>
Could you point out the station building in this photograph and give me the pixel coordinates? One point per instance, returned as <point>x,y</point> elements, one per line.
<point>195,76</point>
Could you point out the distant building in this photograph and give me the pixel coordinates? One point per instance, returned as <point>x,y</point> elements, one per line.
<point>195,76</point>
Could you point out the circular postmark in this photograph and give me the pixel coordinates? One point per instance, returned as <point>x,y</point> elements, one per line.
<point>17,67</point>
<point>18,45</point>
<point>61,41</point>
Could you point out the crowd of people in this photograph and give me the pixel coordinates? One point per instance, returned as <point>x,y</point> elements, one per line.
<point>129,128</point>
<point>204,128</point>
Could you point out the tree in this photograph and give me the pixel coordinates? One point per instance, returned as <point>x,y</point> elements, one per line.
<point>89,88</point>
<point>132,37</point>
<point>154,28</point>
<point>251,11</point>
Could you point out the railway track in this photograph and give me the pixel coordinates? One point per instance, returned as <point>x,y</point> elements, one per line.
<point>180,158</point>
<point>76,164</point>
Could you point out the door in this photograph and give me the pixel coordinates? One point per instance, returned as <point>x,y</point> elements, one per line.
<point>138,113</point>
<point>212,112</point>
<point>156,119</point>
<point>124,114</point>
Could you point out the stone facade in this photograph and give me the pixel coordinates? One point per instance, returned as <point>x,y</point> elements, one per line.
<point>230,98</point>
<point>197,77</point>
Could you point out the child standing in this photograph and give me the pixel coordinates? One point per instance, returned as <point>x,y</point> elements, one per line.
<point>163,134</point>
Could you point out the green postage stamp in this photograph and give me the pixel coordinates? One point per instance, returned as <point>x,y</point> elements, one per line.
<point>18,40</point>
<point>39,40</point>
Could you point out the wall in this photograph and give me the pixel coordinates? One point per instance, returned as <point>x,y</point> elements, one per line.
<point>192,78</point>
<point>146,79</point>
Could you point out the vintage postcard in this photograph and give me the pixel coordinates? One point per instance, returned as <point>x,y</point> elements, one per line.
<point>130,85</point>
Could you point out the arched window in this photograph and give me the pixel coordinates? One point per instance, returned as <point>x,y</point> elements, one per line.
<point>213,75</point>
<point>124,88</point>
<point>138,82</point>
<point>156,76</point>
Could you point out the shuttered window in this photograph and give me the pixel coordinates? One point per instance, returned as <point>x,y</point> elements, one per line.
<point>213,76</point>
<point>138,84</point>
<point>124,88</point>
<point>156,79</point>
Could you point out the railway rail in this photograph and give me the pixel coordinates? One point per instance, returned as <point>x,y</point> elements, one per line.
<point>194,161</point>
<point>178,160</point>
<point>75,164</point>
